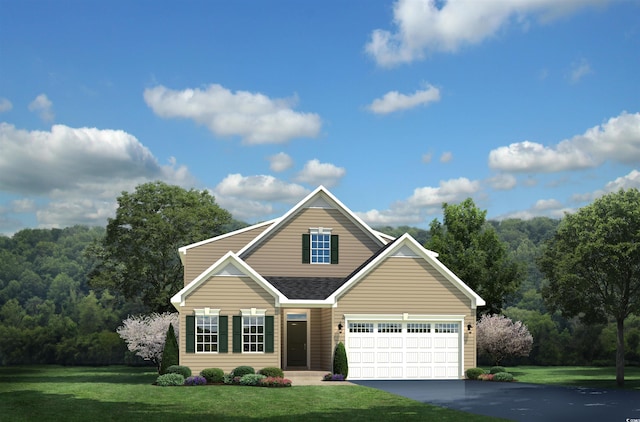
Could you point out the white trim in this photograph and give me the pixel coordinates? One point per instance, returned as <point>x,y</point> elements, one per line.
<point>206,312</point>
<point>253,312</point>
<point>285,334</point>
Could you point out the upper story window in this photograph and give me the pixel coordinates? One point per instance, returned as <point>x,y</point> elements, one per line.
<point>319,246</point>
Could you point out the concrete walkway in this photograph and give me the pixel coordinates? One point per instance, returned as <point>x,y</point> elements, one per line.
<point>311,378</point>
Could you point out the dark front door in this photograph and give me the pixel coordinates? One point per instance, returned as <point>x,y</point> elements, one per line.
<point>297,343</point>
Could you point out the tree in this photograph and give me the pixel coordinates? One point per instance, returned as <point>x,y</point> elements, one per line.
<point>472,250</point>
<point>139,254</point>
<point>340,362</point>
<point>146,334</point>
<point>593,264</point>
<point>500,337</point>
<point>170,351</point>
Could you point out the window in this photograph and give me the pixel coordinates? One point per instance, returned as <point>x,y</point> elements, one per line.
<point>360,327</point>
<point>253,333</point>
<point>418,328</point>
<point>447,328</point>
<point>319,246</point>
<point>389,327</point>
<point>206,333</point>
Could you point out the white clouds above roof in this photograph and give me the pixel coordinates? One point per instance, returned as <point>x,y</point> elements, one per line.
<point>44,107</point>
<point>280,162</point>
<point>394,101</point>
<point>254,117</point>
<point>616,140</point>
<point>5,105</point>
<point>423,26</point>
<point>316,173</point>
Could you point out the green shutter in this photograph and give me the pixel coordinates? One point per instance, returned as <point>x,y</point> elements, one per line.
<point>269,335</point>
<point>237,334</point>
<point>223,334</point>
<point>334,248</point>
<point>306,248</point>
<point>191,334</point>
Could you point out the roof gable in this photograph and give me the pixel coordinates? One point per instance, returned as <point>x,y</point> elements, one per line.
<point>319,198</point>
<point>406,246</point>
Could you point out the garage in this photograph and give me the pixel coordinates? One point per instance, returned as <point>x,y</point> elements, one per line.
<point>404,350</point>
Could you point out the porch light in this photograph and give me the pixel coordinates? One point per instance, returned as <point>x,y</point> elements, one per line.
<point>340,327</point>
<point>469,328</point>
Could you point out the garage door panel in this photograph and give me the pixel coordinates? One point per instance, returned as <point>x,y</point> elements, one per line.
<point>401,351</point>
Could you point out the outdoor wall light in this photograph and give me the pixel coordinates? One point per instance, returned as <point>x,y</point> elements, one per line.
<point>469,328</point>
<point>340,326</point>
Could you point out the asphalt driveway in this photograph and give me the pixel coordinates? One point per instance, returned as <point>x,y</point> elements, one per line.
<point>519,401</point>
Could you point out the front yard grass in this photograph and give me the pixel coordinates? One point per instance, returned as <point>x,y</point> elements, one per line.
<point>54,393</point>
<point>576,376</point>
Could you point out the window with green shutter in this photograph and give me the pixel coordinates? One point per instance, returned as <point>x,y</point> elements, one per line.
<point>190,337</point>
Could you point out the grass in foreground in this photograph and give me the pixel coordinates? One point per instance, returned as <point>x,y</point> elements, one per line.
<point>577,376</point>
<point>47,393</point>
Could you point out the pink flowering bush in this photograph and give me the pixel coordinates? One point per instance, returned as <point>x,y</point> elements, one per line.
<point>274,382</point>
<point>485,377</point>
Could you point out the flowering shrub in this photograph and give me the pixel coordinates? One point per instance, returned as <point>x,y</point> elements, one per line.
<point>195,380</point>
<point>251,379</point>
<point>486,377</point>
<point>167,380</point>
<point>274,382</point>
<point>333,377</point>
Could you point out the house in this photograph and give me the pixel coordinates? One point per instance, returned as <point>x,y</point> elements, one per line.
<point>285,292</point>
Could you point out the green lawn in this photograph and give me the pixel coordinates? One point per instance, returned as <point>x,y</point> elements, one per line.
<point>48,393</point>
<point>582,376</point>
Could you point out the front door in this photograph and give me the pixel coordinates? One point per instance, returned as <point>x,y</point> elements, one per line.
<point>296,343</point>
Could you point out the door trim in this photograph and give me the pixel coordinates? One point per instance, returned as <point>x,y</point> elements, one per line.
<point>286,335</point>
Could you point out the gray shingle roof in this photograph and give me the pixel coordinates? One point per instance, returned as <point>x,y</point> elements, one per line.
<point>309,288</point>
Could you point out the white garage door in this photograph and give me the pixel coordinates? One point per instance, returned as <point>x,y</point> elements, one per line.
<point>401,350</point>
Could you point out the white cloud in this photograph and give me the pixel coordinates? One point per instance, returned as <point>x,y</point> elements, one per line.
<point>43,106</point>
<point>250,197</point>
<point>5,105</point>
<point>579,70</point>
<point>446,157</point>
<point>254,117</point>
<point>616,140</point>
<point>425,201</point>
<point>78,172</point>
<point>280,162</point>
<point>503,182</point>
<point>628,181</point>
<point>316,173</point>
<point>423,26</point>
<point>394,101</point>
<point>547,204</point>
<point>426,158</point>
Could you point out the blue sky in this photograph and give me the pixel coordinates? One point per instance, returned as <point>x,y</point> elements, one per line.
<point>530,107</point>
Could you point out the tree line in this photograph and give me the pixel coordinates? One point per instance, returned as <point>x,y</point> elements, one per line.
<point>64,292</point>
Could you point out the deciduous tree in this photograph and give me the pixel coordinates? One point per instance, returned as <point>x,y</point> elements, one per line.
<point>500,337</point>
<point>593,264</point>
<point>146,334</point>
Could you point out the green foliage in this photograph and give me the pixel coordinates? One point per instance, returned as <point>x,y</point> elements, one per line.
<point>195,381</point>
<point>470,248</point>
<point>170,380</point>
<point>138,255</point>
<point>170,353</point>
<point>241,371</point>
<point>592,264</point>
<point>497,369</point>
<point>213,375</point>
<point>340,363</point>
<point>503,376</point>
<point>251,379</point>
<point>272,372</point>
<point>473,373</point>
<point>185,371</point>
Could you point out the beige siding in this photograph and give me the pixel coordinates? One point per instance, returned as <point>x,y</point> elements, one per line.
<point>199,258</point>
<point>281,253</point>
<point>413,286</point>
<point>321,339</point>
<point>230,295</point>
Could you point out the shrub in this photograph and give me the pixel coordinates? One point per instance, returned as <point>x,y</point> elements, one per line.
<point>474,373</point>
<point>185,371</point>
<point>241,371</point>
<point>503,376</point>
<point>213,375</point>
<point>228,378</point>
<point>486,377</point>
<point>251,379</point>
<point>196,380</point>
<point>170,353</point>
<point>272,372</point>
<point>340,363</point>
<point>333,377</point>
<point>497,370</point>
<point>167,380</point>
<point>275,382</point>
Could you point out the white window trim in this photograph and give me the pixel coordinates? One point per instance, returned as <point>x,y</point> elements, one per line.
<point>323,231</point>
<point>209,313</point>
<point>254,312</point>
